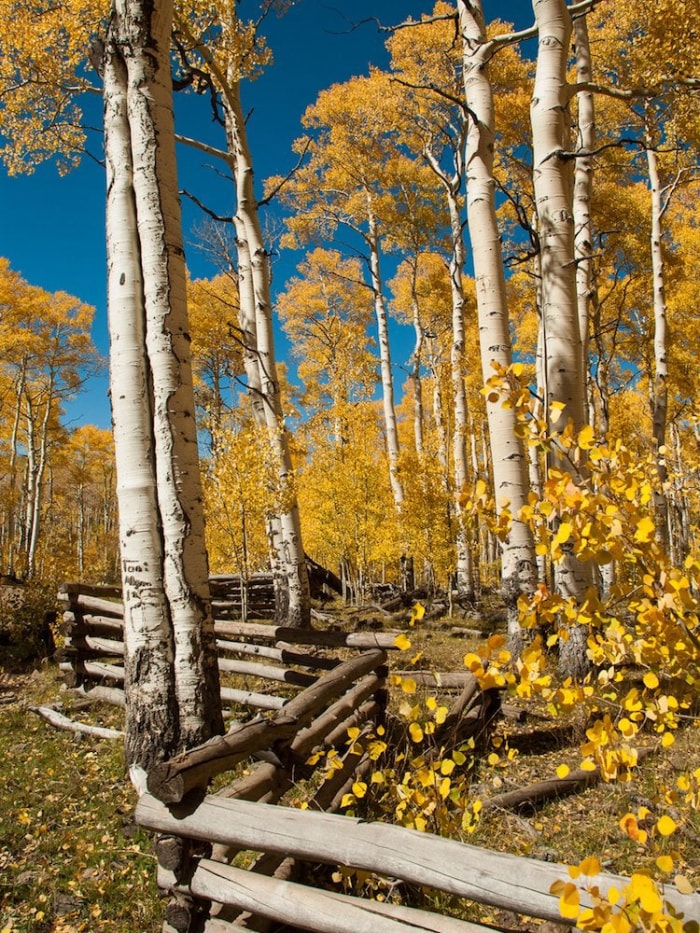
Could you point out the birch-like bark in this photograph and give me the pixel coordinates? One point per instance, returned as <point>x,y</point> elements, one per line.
<point>553,197</point>
<point>35,504</point>
<point>390,428</point>
<point>508,459</point>
<point>247,323</point>
<point>152,729</point>
<point>583,184</point>
<point>416,358</point>
<point>452,182</point>
<point>660,379</point>
<point>283,527</point>
<point>249,235</point>
<point>564,380</point>
<point>172,676</point>
<point>12,473</point>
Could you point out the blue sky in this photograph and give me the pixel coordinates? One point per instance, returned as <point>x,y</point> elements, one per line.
<point>53,227</point>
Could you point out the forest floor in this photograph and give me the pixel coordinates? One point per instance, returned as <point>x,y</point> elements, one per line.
<point>71,858</point>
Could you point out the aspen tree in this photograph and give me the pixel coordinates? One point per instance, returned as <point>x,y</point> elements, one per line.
<point>226,62</point>
<point>435,128</point>
<point>170,664</point>
<point>47,353</point>
<point>171,672</point>
<point>509,463</point>
<point>655,78</point>
<point>347,182</point>
<point>553,184</point>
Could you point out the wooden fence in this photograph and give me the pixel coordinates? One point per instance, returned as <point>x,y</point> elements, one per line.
<point>270,663</point>
<point>312,687</point>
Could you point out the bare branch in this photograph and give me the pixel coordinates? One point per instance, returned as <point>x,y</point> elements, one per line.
<point>204,147</point>
<point>203,207</point>
<point>276,190</point>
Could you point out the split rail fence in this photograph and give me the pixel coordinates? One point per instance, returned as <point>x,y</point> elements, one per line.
<point>312,688</point>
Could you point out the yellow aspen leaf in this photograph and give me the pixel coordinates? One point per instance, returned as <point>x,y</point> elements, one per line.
<point>647,894</point>
<point>590,866</point>
<point>683,886</point>
<point>408,685</point>
<point>665,863</point>
<point>402,642</point>
<point>347,801</point>
<point>618,923</point>
<point>420,824</point>
<point>517,369</point>
<point>651,680</point>
<point>378,777</point>
<point>666,825</point>
<point>359,789</point>
<point>563,533</point>
<point>562,771</point>
<point>415,732</point>
<point>613,895</point>
<point>645,530</point>
<point>585,438</point>
<point>667,739</point>
<point>447,766</point>
<point>628,824</point>
<point>493,759</point>
<point>444,788</point>
<point>569,902</point>
<point>588,765</point>
<point>417,612</point>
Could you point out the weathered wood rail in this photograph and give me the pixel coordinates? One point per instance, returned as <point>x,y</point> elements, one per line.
<point>268,663</point>
<point>306,690</point>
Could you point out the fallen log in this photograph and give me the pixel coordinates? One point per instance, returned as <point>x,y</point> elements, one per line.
<point>501,880</point>
<point>536,793</point>
<point>59,721</point>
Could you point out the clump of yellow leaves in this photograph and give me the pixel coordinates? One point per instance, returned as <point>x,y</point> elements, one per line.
<point>638,905</point>
<point>643,645</point>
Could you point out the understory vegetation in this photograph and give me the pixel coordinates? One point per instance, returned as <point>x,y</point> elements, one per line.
<point>72,859</point>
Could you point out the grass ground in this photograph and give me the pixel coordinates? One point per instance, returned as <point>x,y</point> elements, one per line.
<point>71,858</point>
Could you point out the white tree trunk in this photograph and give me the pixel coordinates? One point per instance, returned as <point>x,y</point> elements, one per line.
<point>417,356</point>
<point>250,238</point>
<point>660,379</point>
<point>452,184</point>
<point>509,462</point>
<point>148,640</point>
<point>390,429</point>
<point>583,183</point>
<point>553,197</point>
<point>172,682</point>
<point>564,380</point>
